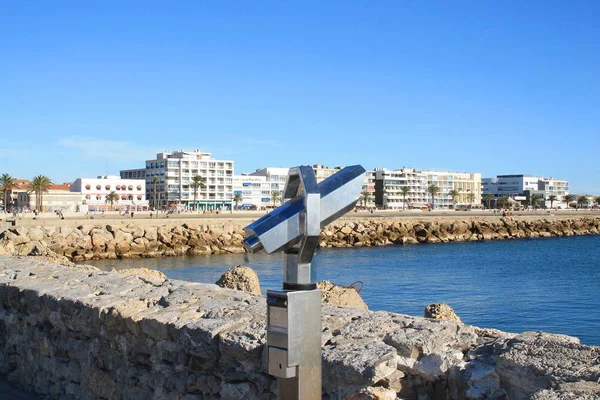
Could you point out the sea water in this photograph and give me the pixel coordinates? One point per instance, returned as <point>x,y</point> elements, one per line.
<point>547,284</point>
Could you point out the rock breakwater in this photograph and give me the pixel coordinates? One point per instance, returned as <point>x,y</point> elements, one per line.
<point>105,241</point>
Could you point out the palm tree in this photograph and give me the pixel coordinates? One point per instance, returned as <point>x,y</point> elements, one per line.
<point>154,182</point>
<point>433,189</point>
<point>111,198</point>
<point>7,183</point>
<point>583,201</point>
<point>552,198</point>
<point>39,185</point>
<point>275,196</point>
<point>470,198</point>
<point>568,198</point>
<point>504,202</point>
<point>404,190</point>
<point>197,182</point>
<point>237,197</point>
<point>454,194</point>
<point>488,197</point>
<point>365,196</point>
<point>534,199</point>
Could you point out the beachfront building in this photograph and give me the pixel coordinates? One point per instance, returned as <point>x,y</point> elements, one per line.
<point>170,175</point>
<point>389,184</point>
<point>466,184</point>
<point>323,172</point>
<point>138,173</point>
<point>389,192</point>
<point>554,187</point>
<point>58,197</point>
<point>255,192</point>
<point>275,177</point>
<point>521,187</point>
<point>367,193</point>
<point>92,193</point>
<point>20,186</point>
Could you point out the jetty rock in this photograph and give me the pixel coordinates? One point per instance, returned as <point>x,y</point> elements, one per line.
<point>441,311</point>
<point>240,278</point>
<point>336,295</point>
<point>150,238</point>
<point>75,332</point>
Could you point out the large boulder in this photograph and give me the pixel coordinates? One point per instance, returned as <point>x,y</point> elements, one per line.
<point>441,311</point>
<point>240,278</point>
<point>341,296</point>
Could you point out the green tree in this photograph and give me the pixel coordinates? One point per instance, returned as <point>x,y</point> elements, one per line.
<point>470,199</point>
<point>275,196</point>
<point>454,194</point>
<point>552,198</point>
<point>404,190</point>
<point>568,198</point>
<point>7,183</point>
<point>365,196</point>
<point>197,182</point>
<point>534,199</point>
<point>488,197</point>
<point>504,202</point>
<point>112,198</point>
<point>582,201</point>
<point>433,189</point>
<point>39,185</point>
<point>237,197</point>
<point>597,200</point>
<point>155,182</point>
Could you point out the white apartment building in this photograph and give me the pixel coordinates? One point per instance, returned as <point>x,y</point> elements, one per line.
<point>389,189</point>
<point>554,187</point>
<point>467,184</point>
<point>368,187</point>
<point>138,173</point>
<point>172,175</point>
<point>522,185</point>
<point>323,172</point>
<point>93,192</point>
<point>389,184</point>
<point>511,185</point>
<point>255,192</point>
<point>276,178</point>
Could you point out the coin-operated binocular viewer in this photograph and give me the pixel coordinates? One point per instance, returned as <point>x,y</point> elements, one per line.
<point>294,313</point>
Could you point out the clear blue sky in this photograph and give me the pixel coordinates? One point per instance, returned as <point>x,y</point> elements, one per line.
<point>495,87</point>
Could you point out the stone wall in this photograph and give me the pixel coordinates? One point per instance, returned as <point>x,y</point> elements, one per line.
<point>80,333</point>
<point>150,239</point>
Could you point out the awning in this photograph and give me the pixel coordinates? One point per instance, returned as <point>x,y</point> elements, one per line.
<point>247,205</point>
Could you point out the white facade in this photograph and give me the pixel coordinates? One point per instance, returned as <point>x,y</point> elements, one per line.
<point>323,172</point>
<point>554,187</point>
<point>389,184</point>
<point>525,185</point>
<point>276,178</point>
<point>174,172</point>
<point>255,191</point>
<point>93,192</point>
<point>467,184</point>
<point>138,173</point>
<point>388,188</point>
<point>509,185</point>
<point>368,187</point>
